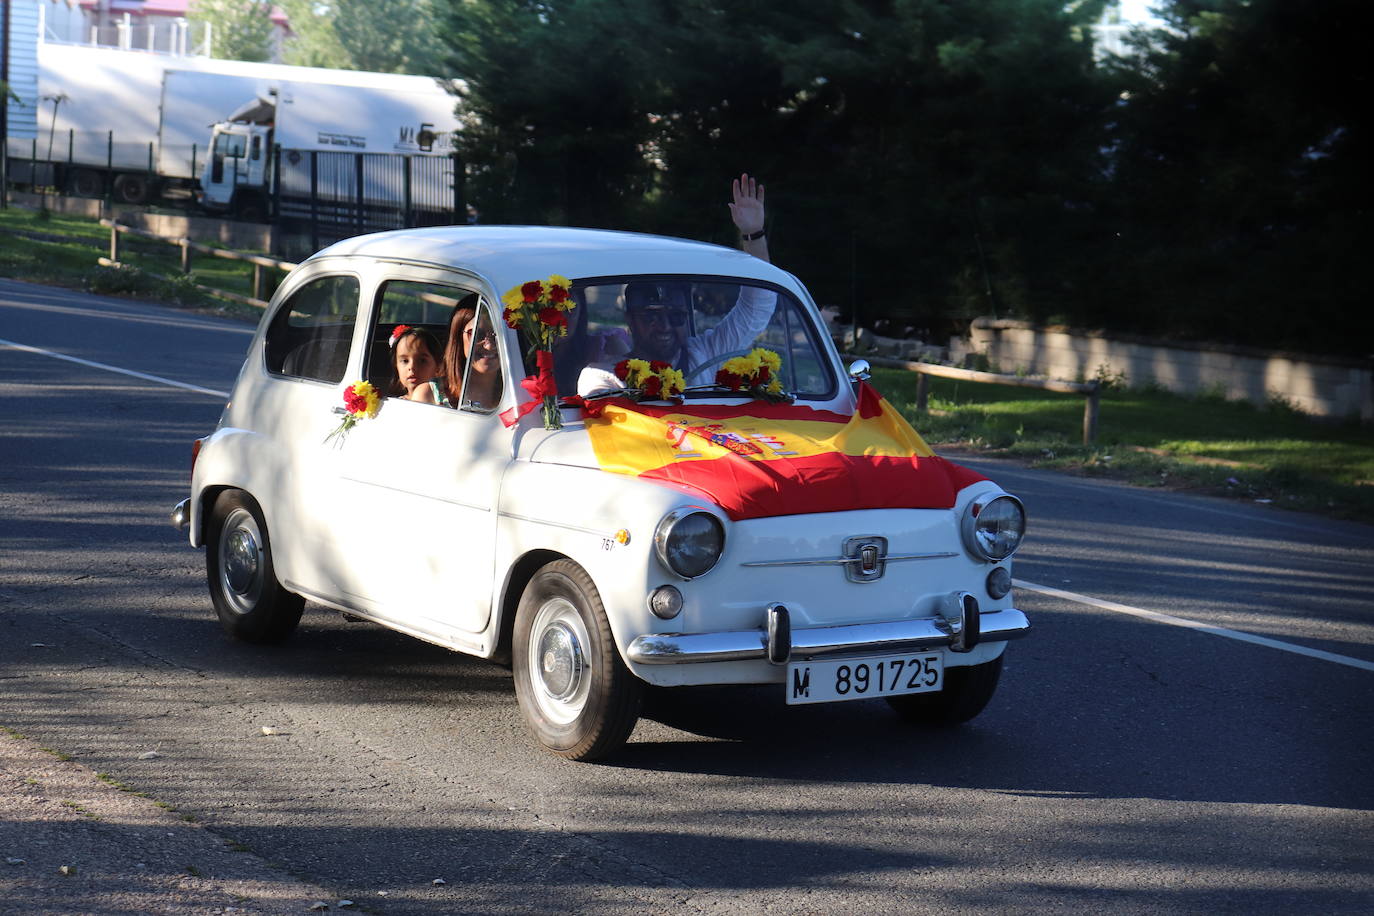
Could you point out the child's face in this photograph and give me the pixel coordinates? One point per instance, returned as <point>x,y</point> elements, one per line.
<point>415,365</point>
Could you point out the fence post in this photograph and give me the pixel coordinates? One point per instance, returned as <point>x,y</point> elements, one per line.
<point>185,244</point>
<point>1090,413</point>
<point>314,201</point>
<point>460,191</point>
<point>358,169</point>
<point>257,281</point>
<point>406,220</point>
<point>276,184</point>
<point>114,243</point>
<point>109,174</point>
<point>922,391</point>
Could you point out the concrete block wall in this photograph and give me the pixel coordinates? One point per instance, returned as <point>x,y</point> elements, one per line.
<point>1322,386</point>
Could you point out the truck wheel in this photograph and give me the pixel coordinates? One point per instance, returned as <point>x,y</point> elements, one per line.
<point>251,209</point>
<point>579,699</point>
<point>132,189</point>
<point>85,183</point>
<point>251,604</point>
<point>966,691</point>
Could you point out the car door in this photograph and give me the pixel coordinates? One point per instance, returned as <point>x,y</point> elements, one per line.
<point>307,348</point>
<point>421,480</point>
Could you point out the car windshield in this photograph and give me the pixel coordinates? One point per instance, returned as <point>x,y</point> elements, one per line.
<point>694,324</point>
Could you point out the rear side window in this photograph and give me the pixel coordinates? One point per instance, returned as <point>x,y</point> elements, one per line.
<point>310,335</point>
<point>415,304</point>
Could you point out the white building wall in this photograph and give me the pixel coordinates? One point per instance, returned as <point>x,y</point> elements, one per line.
<point>23,76</point>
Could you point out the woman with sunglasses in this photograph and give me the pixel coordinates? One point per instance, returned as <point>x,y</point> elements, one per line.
<point>471,372</point>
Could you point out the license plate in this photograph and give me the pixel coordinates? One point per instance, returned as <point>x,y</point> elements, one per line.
<point>864,678</point>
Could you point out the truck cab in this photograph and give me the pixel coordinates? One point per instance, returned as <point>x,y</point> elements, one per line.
<point>236,175</point>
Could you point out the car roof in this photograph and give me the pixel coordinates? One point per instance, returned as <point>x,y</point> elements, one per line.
<point>509,255</point>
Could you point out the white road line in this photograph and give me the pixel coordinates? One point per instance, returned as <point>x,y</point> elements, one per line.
<point>1195,625</point>
<point>139,375</point>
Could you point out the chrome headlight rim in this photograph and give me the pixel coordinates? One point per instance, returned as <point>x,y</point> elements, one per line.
<point>969,525</point>
<point>664,531</point>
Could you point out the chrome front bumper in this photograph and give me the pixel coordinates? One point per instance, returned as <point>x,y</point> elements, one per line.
<point>180,516</point>
<point>959,628</point>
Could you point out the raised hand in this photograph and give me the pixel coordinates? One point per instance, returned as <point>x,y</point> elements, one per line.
<point>747,207</point>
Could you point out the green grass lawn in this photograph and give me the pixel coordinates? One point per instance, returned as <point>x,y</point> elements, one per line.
<point>46,247</point>
<point>1154,438</point>
<point>1147,437</point>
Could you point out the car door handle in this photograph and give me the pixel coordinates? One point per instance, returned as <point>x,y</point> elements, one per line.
<point>340,410</point>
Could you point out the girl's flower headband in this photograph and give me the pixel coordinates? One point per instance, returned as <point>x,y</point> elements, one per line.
<point>397,333</point>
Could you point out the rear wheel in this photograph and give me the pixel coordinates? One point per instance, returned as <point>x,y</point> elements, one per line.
<point>579,699</point>
<point>85,183</point>
<point>966,691</point>
<point>132,189</point>
<point>251,604</point>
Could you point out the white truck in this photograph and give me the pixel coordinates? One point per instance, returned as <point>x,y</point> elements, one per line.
<point>312,123</point>
<point>142,125</point>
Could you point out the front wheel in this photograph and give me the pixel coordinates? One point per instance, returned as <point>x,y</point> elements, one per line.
<point>966,691</point>
<point>579,699</point>
<point>251,604</point>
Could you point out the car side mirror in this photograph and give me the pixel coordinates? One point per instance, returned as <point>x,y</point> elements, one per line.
<point>859,371</point>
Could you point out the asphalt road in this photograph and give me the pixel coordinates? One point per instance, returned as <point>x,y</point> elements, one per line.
<point>1188,728</point>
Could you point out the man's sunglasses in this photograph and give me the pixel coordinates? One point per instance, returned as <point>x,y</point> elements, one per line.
<point>485,336</point>
<point>676,317</point>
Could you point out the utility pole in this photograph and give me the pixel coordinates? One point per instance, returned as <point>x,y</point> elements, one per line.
<point>5,109</point>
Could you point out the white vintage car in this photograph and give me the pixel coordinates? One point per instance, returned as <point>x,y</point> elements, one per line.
<point>804,538</point>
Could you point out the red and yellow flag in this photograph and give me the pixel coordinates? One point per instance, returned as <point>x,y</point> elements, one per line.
<point>758,459</point>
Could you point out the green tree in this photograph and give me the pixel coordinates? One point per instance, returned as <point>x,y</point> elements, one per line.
<point>242,29</point>
<point>313,42</point>
<point>557,117</point>
<point>1241,177</point>
<point>381,36</point>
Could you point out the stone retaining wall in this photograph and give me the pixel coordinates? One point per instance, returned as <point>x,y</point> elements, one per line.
<point>1322,386</point>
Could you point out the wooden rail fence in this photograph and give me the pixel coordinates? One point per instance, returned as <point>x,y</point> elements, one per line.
<point>1092,391</point>
<point>259,262</point>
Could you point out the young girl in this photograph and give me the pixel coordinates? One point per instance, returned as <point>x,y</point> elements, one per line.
<point>415,358</point>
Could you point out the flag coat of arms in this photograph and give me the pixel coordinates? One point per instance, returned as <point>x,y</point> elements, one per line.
<point>757,459</point>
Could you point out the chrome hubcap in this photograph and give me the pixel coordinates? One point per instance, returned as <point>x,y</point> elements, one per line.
<point>558,661</point>
<point>240,561</point>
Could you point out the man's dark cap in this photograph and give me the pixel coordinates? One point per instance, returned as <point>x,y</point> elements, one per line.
<point>643,294</point>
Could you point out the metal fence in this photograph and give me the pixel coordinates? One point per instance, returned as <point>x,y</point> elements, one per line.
<point>329,195</point>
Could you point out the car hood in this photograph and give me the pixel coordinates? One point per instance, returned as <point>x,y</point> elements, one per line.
<point>759,459</point>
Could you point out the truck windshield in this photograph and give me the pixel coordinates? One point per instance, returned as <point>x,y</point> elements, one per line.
<point>230,145</point>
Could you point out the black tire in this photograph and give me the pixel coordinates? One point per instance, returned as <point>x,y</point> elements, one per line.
<point>579,699</point>
<point>85,183</point>
<point>250,208</point>
<point>251,604</point>
<point>966,691</point>
<point>132,189</point>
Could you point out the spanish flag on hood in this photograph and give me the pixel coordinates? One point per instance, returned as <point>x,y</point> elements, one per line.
<point>758,459</point>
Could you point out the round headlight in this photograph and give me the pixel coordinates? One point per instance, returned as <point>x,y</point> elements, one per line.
<point>993,525</point>
<point>689,542</point>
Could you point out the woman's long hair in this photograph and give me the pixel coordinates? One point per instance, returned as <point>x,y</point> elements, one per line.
<point>455,364</point>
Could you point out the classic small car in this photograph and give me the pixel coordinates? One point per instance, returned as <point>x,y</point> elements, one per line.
<point>761,516</point>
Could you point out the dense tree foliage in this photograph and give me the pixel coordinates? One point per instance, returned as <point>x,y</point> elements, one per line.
<point>1242,186</point>
<point>383,36</point>
<point>241,29</point>
<point>932,160</point>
